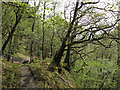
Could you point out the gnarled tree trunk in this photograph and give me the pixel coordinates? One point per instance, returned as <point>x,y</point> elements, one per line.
<point>57,58</point>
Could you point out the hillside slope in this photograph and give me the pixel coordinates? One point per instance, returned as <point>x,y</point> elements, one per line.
<point>47,79</point>
<point>39,71</point>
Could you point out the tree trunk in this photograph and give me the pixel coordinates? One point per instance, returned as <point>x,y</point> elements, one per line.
<point>31,49</point>
<point>51,46</point>
<point>59,54</point>
<point>14,46</point>
<point>67,58</point>
<point>43,53</point>
<point>43,39</point>
<point>38,53</point>
<point>18,18</point>
<point>9,51</point>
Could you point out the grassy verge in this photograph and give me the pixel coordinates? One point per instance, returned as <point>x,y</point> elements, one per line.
<point>11,74</point>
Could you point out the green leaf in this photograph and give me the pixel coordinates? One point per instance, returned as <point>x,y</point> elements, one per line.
<point>51,9</point>
<point>115,7</point>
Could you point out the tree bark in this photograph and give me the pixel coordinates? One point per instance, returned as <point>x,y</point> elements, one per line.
<point>32,41</point>
<point>9,51</point>
<point>51,45</point>
<point>38,53</point>
<point>67,58</point>
<point>31,49</point>
<point>43,39</point>
<point>18,18</point>
<point>59,53</point>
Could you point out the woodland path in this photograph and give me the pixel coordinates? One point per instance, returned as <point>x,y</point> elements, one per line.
<point>27,79</point>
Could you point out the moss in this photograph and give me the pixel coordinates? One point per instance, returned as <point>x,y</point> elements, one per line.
<point>47,79</point>
<point>11,74</point>
<point>44,77</point>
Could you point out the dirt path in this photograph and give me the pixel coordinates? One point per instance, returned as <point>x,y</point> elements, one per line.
<point>27,80</point>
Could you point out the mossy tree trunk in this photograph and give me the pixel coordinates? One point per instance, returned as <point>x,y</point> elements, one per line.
<point>57,58</point>
<point>67,58</point>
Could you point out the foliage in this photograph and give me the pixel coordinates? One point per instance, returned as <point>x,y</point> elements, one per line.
<point>11,75</point>
<point>101,69</point>
<point>83,41</point>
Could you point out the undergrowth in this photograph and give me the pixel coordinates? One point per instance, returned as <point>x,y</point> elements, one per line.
<point>11,74</point>
<point>47,79</point>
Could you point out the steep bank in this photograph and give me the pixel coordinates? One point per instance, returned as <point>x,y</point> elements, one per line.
<point>35,75</point>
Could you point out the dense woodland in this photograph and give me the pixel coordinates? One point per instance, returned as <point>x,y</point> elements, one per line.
<point>78,46</point>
